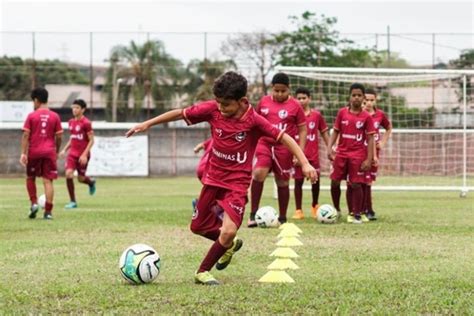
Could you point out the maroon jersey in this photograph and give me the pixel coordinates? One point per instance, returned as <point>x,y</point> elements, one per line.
<point>79,131</point>
<point>286,116</point>
<point>43,125</point>
<point>380,119</point>
<point>353,130</point>
<point>314,122</point>
<point>233,144</point>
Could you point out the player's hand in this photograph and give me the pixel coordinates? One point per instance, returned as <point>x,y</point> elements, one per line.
<point>61,154</point>
<point>83,160</point>
<point>296,162</point>
<point>198,148</point>
<point>23,160</point>
<point>331,155</point>
<point>379,146</point>
<point>375,162</point>
<point>366,164</point>
<point>310,173</point>
<point>140,128</point>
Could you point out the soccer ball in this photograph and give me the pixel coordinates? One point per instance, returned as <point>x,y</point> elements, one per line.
<point>266,216</point>
<point>42,201</point>
<point>327,214</point>
<point>140,264</point>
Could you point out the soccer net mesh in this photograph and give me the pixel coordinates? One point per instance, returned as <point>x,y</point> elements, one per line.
<point>432,144</point>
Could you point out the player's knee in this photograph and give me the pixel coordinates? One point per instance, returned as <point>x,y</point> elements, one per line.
<point>259,175</point>
<point>69,174</point>
<point>227,235</point>
<point>81,179</point>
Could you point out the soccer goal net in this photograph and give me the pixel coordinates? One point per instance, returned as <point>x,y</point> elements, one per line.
<point>432,113</point>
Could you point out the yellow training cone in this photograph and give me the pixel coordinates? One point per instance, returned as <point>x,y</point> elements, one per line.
<point>288,233</point>
<point>284,253</point>
<point>289,242</point>
<point>276,277</point>
<point>282,264</point>
<point>291,226</point>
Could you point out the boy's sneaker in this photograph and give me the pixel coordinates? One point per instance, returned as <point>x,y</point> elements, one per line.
<point>298,215</point>
<point>92,188</point>
<point>33,210</point>
<point>364,218</point>
<point>357,220</point>
<point>47,216</point>
<point>224,261</point>
<point>314,211</point>
<point>350,218</point>
<point>70,205</point>
<point>371,216</point>
<point>205,278</point>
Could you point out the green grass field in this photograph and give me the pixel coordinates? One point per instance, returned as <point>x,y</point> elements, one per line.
<point>417,259</point>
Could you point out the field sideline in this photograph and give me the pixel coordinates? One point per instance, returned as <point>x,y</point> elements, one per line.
<point>418,258</point>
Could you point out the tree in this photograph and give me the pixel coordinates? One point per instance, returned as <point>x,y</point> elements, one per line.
<point>205,73</point>
<point>16,76</point>
<point>313,43</point>
<point>465,61</point>
<point>256,48</point>
<point>148,72</point>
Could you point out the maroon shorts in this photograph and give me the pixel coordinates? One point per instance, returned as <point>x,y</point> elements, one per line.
<point>45,167</point>
<point>372,174</point>
<point>348,169</point>
<point>277,158</point>
<point>73,164</point>
<point>205,217</point>
<point>299,172</point>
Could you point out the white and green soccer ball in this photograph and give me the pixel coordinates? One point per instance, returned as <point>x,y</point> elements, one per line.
<point>266,217</point>
<point>140,264</point>
<point>327,214</point>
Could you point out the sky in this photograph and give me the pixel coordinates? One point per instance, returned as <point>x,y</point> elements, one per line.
<point>181,25</point>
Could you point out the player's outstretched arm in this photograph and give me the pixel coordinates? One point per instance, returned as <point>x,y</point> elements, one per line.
<point>173,115</point>
<point>295,149</point>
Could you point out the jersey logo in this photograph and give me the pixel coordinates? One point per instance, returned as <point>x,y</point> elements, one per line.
<point>264,111</point>
<point>240,136</point>
<point>218,132</point>
<point>345,122</point>
<point>359,124</point>
<point>283,114</point>
<point>78,128</point>
<point>376,124</point>
<point>312,125</point>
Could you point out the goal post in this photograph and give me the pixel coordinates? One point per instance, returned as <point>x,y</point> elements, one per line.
<point>432,113</point>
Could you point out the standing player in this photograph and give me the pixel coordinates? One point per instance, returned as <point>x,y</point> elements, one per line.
<point>235,130</point>
<point>79,145</point>
<point>353,126</point>
<point>40,143</point>
<point>314,123</point>
<point>285,113</point>
<point>380,119</point>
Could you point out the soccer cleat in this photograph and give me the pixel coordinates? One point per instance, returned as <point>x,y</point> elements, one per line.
<point>298,215</point>
<point>314,211</point>
<point>33,210</point>
<point>364,218</point>
<point>47,216</point>
<point>350,218</point>
<point>224,261</point>
<point>92,188</point>
<point>371,216</point>
<point>357,220</point>
<point>70,205</point>
<point>252,223</point>
<point>205,278</point>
